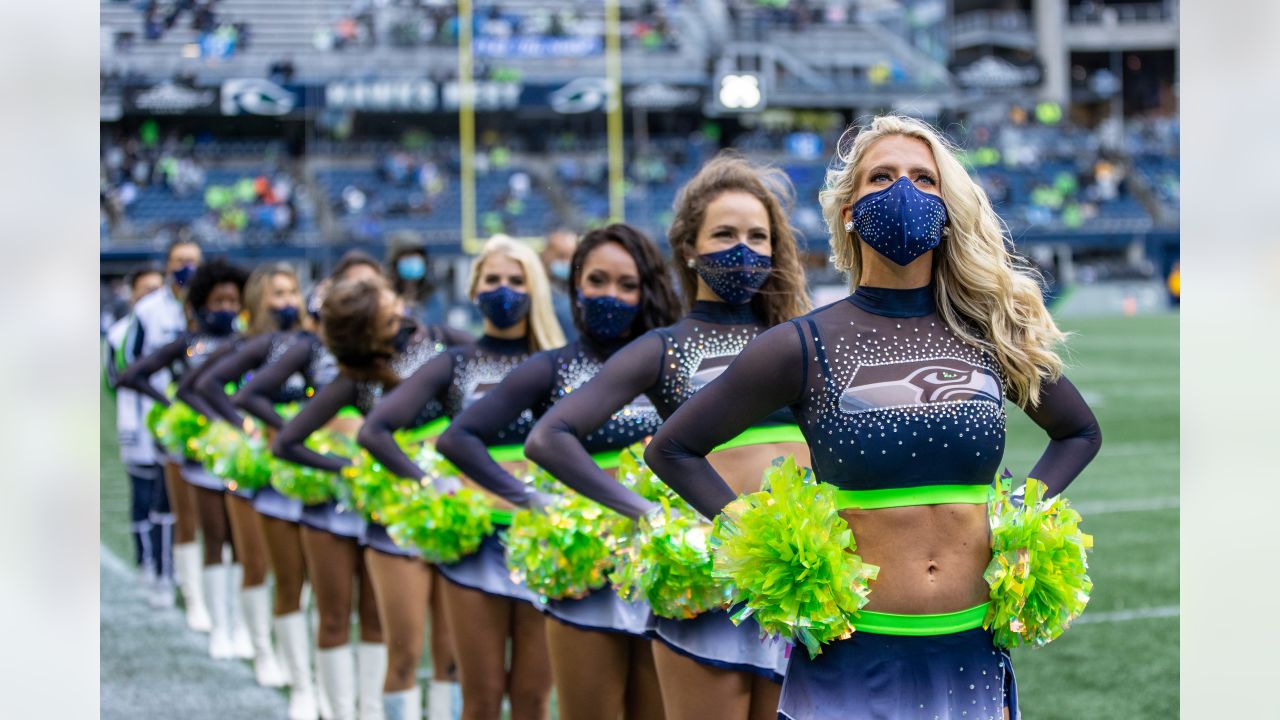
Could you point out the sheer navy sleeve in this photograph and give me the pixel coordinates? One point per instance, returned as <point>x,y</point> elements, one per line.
<point>230,368</point>
<point>463,444</point>
<point>1074,435</point>
<point>254,397</point>
<point>138,375</point>
<point>187,391</point>
<point>399,409</point>
<point>290,441</point>
<point>555,443</point>
<point>766,375</point>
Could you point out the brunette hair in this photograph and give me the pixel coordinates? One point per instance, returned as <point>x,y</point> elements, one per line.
<point>349,328</point>
<point>659,306</point>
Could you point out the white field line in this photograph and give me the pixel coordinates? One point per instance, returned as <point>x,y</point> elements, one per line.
<point>1107,507</point>
<point>1111,616</point>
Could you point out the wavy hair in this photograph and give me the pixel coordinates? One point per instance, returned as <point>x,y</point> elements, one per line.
<point>255,297</point>
<point>784,295</point>
<point>349,328</point>
<point>659,306</point>
<point>986,294</point>
<point>210,275</point>
<point>544,330</point>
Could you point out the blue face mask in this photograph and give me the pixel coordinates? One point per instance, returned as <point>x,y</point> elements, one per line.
<point>218,322</point>
<point>411,267</point>
<point>182,275</point>
<point>559,270</point>
<point>605,316</point>
<point>285,317</point>
<point>900,222</point>
<point>736,274</point>
<point>503,307</point>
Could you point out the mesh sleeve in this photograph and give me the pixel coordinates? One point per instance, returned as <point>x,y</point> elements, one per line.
<point>289,443</point>
<point>231,368</point>
<point>138,375</point>
<point>765,376</point>
<point>1074,435</point>
<point>399,408</point>
<point>464,442</point>
<point>555,443</point>
<point>254,397</point>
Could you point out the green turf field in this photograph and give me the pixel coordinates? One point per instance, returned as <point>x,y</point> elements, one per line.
<point>1120,662</point>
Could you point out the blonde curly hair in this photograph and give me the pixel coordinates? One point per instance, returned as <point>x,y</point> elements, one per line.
<point>985,294</point>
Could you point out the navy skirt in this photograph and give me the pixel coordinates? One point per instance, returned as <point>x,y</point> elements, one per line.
<point>604,611</point>
<point>376,537</point>
<point>486,570</point>
<point>712,639</point>
<point>195,475</point>
<point>328,517</point>
<point>274,504</point>
<point>959,676</point>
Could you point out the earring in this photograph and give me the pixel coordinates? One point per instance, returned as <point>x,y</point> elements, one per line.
<point>946,231</point>
<point>848,227</point>
<point>689,262</point>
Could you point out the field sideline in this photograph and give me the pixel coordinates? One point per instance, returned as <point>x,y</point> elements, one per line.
<point>1121,661</point>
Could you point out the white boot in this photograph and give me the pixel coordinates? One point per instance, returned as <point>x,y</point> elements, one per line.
<point>187,563</point>
<point>440,705</point>
<point>337,667</point>
<point>241,639</point>
<point>322,692</point>
<point>371,666</point>
<point>403,705</point>
<point>257,612</point>
<point>216,597</point>
<point>295,644</point>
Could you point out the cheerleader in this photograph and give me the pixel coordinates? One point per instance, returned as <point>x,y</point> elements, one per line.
<point>364,326</point>
<point>736,256</point>
<point>213,302</point>
<point>149,505</point>
<point>484,608</point>
<point>601,661</point>
<point>274,300</point>
<point>158,319</point>
<point>900,391</point>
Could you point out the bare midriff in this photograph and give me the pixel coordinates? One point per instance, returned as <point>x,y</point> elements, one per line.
<point>931,557</point>
<point>743,467</point>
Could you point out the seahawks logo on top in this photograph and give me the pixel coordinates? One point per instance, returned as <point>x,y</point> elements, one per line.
<point>939,380</point>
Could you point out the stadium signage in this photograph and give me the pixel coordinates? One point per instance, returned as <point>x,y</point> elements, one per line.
<point>538,46</point>
<point>661,96</point>
<point>257,96</point>
<point>169,98</point>
<point>994,73</point>
<point>382,95</point>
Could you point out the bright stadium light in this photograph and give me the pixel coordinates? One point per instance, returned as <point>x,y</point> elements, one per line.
<point>741,92</point>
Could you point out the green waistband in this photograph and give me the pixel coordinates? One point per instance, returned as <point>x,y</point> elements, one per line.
<point>501,517</point>
<point>764,435</point>
<point>349,411</point>
<point>881,623</point>
<point>507,453</point>
<point>426,432</point>
<point>906,497</point>
<point>607,459</point>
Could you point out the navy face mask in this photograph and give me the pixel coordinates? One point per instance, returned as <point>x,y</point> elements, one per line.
<point>182,275</point>
<point>735,274</point>
<point>285,317</point>
<point>900,222</point>
<point>605,316</point>
<point>218,322</point>
<point>503,306</point>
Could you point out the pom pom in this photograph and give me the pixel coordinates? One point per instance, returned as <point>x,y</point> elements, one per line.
<point>178,428</point>
<point>376,491</point>
<point>444,527</point>
<point>1039,567</point>
<point>790,558</point>
<point>566,549</point>
<point>667,562</point>
<point>308,484</point>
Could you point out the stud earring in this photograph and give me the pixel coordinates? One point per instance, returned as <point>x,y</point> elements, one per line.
<point>946,231</point>
<point>848,227</point>
<point>689,262</point>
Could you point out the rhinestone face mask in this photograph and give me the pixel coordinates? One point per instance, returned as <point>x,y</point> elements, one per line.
<point>503,306</point>
<point>900,222</point>
<point>735,274</point>
<point>605,316</point>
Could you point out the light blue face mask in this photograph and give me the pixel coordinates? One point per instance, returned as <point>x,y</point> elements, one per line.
<point>411,267</point>
<point>900,222</point>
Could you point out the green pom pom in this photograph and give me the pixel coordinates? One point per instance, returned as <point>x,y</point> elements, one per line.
<point>790,558</point>
<point>178,428</point>
<point>443,527</point>
<point>218,445</point>
<point>1039,567</point>
<point>375,491</point>
<point>566,549</point>
<point>308,484</point>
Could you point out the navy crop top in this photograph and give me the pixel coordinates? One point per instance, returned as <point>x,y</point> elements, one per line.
<point>536,385</point>
<point>446,386</point>
<point>886,396</point>
<point>296,366</point>
<point>185,358</point>
<point>425,345</point>
<point>669,366</point>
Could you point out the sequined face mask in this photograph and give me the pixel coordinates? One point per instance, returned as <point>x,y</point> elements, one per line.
<point>735,274</point>
<point>218,322</point>
<point>606,317</point>
<point>900,222</point>
<point>503,306</point>
<point>285,317</point>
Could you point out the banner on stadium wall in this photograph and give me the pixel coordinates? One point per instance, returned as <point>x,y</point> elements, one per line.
<point>170,98</point>
<point>537,46</point>
<point>260,96</point>
<point>420,96</point>
<point>995,73</point>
